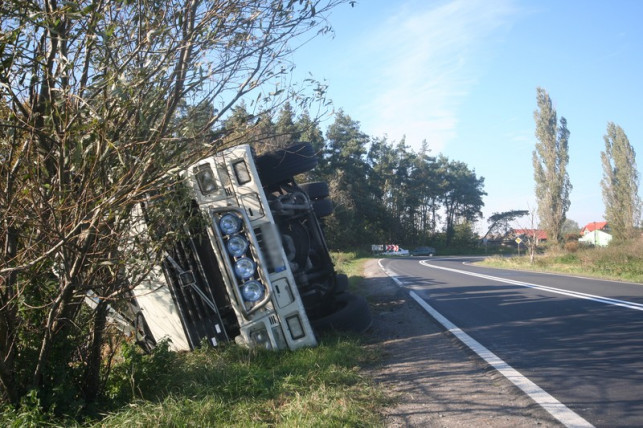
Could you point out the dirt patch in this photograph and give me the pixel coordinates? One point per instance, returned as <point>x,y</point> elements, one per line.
<point>438,382</point>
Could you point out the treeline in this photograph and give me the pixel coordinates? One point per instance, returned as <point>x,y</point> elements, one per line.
<point>383,191</point>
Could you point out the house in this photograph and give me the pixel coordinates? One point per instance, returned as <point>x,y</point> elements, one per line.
<point>540,235</point>
<point>595,225</point>
<point>597,238</point>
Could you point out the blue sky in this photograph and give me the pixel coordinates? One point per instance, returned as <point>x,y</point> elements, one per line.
<point>463,74</point>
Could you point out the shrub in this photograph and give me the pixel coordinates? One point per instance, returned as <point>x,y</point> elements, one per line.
<point>141,375</point>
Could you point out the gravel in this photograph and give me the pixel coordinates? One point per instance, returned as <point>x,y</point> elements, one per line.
<point>437,381</point>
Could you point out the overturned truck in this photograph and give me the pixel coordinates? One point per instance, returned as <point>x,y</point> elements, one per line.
<point>254,267</point>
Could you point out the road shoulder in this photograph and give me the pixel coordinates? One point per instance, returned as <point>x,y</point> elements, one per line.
<point>436,379</point>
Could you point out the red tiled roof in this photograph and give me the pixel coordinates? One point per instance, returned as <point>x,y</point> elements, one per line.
<point>539,234</point>
<point>595,225</point>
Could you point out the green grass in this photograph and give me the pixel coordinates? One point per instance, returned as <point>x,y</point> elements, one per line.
<point>235,386</point>
<point>350,263</point>
<point>619,261</point>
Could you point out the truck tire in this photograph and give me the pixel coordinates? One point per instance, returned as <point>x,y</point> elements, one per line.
<point>342,283</point>
<point>351,314</point>
<point>280,165</point>
<point>316,190</point>
<point>323,208</point>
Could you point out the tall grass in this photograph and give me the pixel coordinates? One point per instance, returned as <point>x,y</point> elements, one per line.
<point>620,261</point>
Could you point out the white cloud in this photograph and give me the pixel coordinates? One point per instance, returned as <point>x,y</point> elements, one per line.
<point>422,63</point>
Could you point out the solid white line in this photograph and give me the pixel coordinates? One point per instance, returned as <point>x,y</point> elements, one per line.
<point>557,409</point>
<point>554,407</point>
<point>577,294</point>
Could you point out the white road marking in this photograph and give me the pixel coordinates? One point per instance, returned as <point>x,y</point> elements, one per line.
<point>558,410</point>
<point>579,295</point>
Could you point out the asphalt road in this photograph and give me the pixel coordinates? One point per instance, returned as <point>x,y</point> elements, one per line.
<point>580,340</point>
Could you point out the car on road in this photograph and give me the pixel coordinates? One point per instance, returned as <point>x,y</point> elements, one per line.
<point>398,252</point>
<point>423,251</point>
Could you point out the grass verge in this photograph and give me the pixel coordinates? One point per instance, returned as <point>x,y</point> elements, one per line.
<point>234,386</point>
<point>619,261</point>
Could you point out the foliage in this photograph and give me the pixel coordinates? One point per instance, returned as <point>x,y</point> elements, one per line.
<point>383,191</point>
<point>550,159</point>
<point>570,227</point>
<point>462,198</point>
<point>141,376</point>
<point>620,184</point>
<point>571,246</point>
<point>500,223</point>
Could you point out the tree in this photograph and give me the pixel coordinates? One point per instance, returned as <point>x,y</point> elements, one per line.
<point>620,183</point>
<point>345,169</point>
<point>425,185</point>
<point>98,100</point>
<point>570,227</point>
<point>405,202</point>
<point>308,130</point>
<point>499,223</point>
<point>532,238</point>
<point>550,159</point>
<point>286,131</point>
<point>462,196</point>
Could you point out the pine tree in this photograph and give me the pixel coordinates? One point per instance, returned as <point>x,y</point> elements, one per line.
<point>347,173</point>
<point>550,159</point>
<point>620,183</point>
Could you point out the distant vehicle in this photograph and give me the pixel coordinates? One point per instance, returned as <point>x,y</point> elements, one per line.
<point>423,251</point>
<point>399,252</point>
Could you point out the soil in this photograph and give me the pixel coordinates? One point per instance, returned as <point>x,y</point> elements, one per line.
<point>436,380</point>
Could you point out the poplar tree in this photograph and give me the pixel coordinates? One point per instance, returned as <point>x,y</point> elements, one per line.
<point>620,183</point>
<point>550,159</point>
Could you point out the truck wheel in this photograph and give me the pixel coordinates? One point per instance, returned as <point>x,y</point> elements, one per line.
<point>342,283</point>
<point>316,190</point>
<point>323,207</point>
<point>352,314</point>
<point>280,165</point>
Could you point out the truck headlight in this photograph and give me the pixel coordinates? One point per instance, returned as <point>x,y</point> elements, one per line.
<point>260,338</point>
<point>295,327</point>
<point>205,179</point>
<point>237,245</point>
<point>229,224</point>
<point>241,172</point>
<point>244,268</point>
<point>252,291</point>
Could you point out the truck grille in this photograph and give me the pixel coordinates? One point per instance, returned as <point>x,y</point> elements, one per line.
<point>197,262</point>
